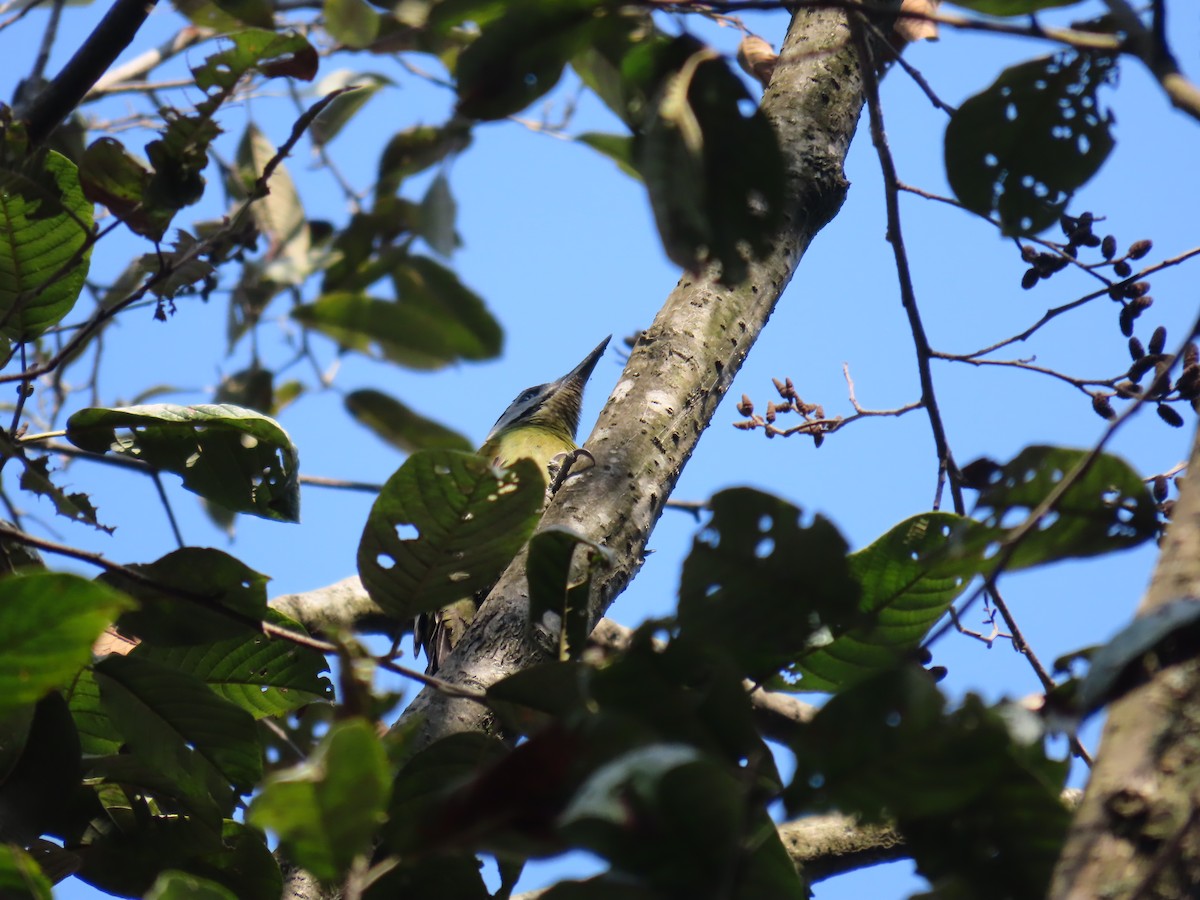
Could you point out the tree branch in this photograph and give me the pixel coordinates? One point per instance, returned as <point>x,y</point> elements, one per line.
<point>677,373</point>
<point>1135,828</point>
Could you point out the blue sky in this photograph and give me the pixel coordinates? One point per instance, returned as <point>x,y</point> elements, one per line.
<point>562,247</point>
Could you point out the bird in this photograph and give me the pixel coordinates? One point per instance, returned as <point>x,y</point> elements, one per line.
<point>540,424</point>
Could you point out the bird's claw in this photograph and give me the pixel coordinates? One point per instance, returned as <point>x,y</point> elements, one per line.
<point>569,463</point>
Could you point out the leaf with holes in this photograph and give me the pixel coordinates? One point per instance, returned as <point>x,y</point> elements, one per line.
<point>1109,508</point>
<point>445,526</point>
<point>745,586</point>
<point>1022,147</point>
<point>45,225</point>
<point>236,457</point>
<point>907,584</point>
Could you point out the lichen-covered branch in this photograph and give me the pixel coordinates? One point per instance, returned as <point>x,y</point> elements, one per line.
<point>678,371</point>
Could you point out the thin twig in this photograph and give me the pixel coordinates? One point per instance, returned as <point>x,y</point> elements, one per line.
<point>908,296</point>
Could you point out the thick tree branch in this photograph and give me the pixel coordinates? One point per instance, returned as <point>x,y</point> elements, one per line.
<point>84,69</point>
<point>1135,834</point>
<point>678,371</point>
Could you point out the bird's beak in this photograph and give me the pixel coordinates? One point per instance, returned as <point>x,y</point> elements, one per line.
<point>582,372</point>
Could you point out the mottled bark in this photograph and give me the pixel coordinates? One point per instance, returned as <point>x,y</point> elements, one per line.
<point>1137,833</point>
<point>678,371</point>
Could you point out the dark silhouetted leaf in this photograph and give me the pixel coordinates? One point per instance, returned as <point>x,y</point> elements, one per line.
<point>416,149</point>
<point>971,790</point>
<point>742,588</point>
<point>174,724</point>
<point>1011,7</point>
<point>555,589</point>
<point>227,597</point>
<point>445,525</point>
<point>1020,149</point>
<point>110,175</point>
<point>435,322</point>
<point>520,56</point>
<point>715,175</point>
<point>400,426</point>
<point>235,457</point>
<point>264,676</point>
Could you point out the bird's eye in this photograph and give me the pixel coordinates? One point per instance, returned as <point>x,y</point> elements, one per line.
<point>528,394</point>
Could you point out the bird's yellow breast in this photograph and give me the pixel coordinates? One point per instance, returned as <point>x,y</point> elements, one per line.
<point>528,442</point>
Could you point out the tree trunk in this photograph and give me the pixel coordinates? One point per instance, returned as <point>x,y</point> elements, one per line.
<point>1137,833</point>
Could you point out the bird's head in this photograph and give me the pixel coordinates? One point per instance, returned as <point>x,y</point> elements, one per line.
<point>553,406</point>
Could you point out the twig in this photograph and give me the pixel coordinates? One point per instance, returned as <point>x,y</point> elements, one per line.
<point>122,77</point>
<point>341,484</point>
<point>43,56</point>
<point>908,298</point>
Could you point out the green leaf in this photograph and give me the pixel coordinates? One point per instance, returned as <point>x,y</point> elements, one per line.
<point>174,885</point>
<point>110,175</point>
<point>40,791</point>
<point>279,215</point>
<point>45,224</point>
<point>191,596</point>
<point>906,585</point>
<point>334,117</point>
<point>446,525</point>
<point>127,860</point>
<point>617,147</point>
<point>520,56</point>
<point>264,676</point>
<point>48,622</point>
<point>179,158</point>
<point>416,149</point>
<point>1021,148</point>
<point>741,588</point>
<point>236,457</point>
<point>1110,508</point>
<point>353,22</point>
<point>326,810</point>
<point>552,588</point>
<point>400,426</point>
<point>435,322</point>
<point>20,876</point>
<point>1011,7</point>
<point>174,724</point>
<point>438,212</point>
<point>715,176</point>
<point>98,736</point>
<point>287,55</point>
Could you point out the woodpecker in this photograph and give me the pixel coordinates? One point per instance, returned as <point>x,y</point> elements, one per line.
<point>540,424</point>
